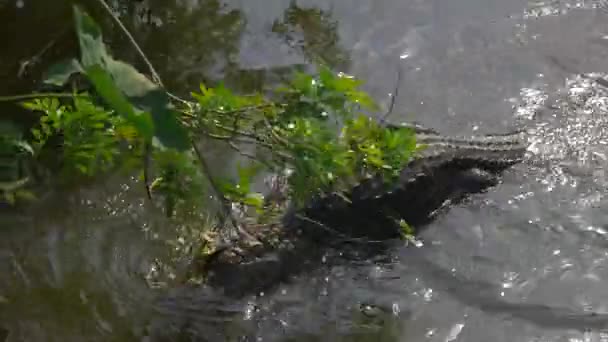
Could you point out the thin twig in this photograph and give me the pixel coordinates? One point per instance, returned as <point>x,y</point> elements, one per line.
<point>235,122</point>
<point>242,138</point>
<point>155,75</point>
<point>393,97</point>
<point>147,161</point>
<point>227,211</point>
<point>248,155</point>
<point>242,109</point>
<point>36,58</point>
<point>261,143</point>
<point>224,202</point>
<point>14,98</point>
<point>345,238</point>
<point>244,154</point>
<point>255,140</point>
<point>274,134</point>
<point>239,132</point>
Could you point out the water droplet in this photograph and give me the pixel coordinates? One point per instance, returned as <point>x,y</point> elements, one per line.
<point>396,309</point>
<point>428,295</point>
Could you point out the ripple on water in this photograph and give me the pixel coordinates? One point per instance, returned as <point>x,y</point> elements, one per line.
<point>76,273</point>
<point>523,262</point>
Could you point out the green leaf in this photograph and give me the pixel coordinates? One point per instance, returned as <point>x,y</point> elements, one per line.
<point>92,49</point>
<point>255,200</point>
<point>168,131</point>
<point>116,100</point>
<point>58,74</point>
<point>130,81</point>
<point>246,174</point>
<point>406,229</point>
<point>119,82</point>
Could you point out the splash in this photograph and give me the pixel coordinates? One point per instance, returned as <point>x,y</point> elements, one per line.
<point>568,130</point>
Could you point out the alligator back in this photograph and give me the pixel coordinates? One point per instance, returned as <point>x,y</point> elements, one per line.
<point>446,169</point>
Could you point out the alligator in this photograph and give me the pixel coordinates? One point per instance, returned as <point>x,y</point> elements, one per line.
<point>446,171</point>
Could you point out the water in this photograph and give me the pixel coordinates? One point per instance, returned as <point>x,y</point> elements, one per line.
<point>525,261</point>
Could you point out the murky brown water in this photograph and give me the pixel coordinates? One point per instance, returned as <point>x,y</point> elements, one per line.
<point>525,261</point>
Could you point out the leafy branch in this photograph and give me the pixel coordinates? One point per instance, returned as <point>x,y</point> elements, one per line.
<point>314,125</point>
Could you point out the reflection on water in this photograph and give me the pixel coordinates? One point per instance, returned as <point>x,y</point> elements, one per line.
<point>525,261</point>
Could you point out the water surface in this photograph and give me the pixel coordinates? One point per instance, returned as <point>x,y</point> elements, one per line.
<point>526,261</point>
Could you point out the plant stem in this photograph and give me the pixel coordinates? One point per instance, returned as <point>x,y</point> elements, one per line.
<point>133,42</point>
<point>393,97</point>
<point>227,211</point>
<point>155,75</point>
<point>254,140</point>
<point>245,154</point>
<point>14,98</point>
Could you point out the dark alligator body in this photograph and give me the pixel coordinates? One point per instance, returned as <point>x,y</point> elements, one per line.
<point>445,172</point>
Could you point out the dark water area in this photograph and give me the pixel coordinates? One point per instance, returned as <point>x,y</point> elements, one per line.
<point>525,261</point>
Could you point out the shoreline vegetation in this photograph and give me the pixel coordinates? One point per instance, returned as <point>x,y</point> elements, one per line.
<point>311,136</point>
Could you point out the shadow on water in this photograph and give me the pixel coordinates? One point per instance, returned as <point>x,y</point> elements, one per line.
<point>525,261</point>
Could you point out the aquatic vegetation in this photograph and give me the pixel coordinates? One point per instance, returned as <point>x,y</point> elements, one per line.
<point>316,126</point>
